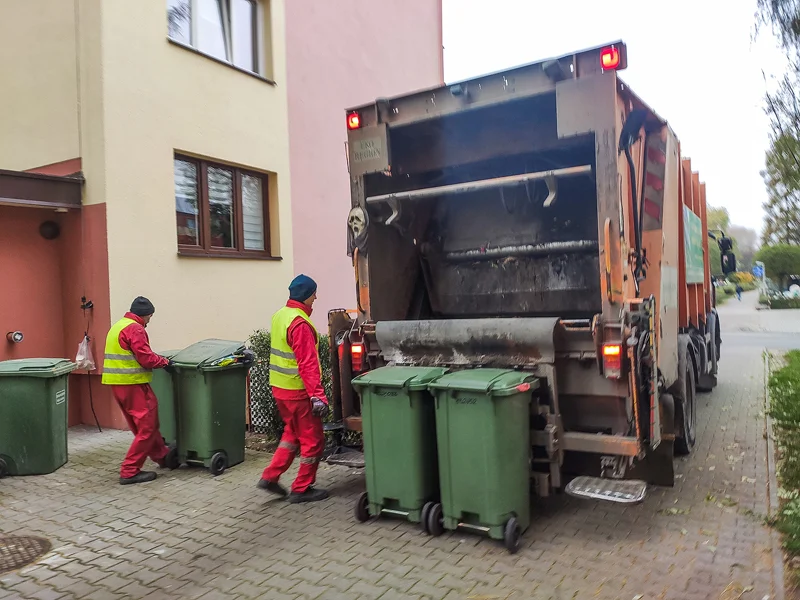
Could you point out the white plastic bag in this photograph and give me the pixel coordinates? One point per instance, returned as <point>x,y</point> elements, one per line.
<point>84,358</point>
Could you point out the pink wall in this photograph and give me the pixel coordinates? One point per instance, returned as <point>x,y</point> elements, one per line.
<point>342,54</point>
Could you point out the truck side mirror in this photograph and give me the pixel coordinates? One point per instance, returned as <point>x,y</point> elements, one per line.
<point>728,260</point>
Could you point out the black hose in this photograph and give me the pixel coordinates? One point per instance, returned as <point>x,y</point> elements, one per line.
<point>637,233</point>
<point>91,402</point>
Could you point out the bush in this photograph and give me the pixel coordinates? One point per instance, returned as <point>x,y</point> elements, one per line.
<point>742,278</point>
<point>784,408</point>
<point>782,303</point>
<point>264,415</point>
<point>728,290</point>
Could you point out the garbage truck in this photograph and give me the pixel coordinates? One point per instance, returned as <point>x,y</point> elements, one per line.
<point>540,219</point>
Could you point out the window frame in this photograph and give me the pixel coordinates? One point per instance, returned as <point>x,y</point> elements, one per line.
<point>204,248</point>
<point>259,55</point>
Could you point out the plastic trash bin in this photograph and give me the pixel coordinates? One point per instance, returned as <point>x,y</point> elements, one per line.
<point>398,425</point>
<point>210,400</point>
<point>483,440</point>
<point>34,414</point>
<point>164,389</point>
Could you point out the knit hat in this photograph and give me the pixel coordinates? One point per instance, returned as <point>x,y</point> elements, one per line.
<point>302,288</point>
<point>142,307</point>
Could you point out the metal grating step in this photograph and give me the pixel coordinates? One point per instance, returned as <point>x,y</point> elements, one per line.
<point>625,491</point>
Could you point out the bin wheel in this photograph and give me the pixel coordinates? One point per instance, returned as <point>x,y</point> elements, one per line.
<point>219,462</point>
<point>426,510</point>
<point>512,535</point>
<point>362,508</point>
<point>435,520</point>
<point>3,468</point>
<point>172,461</point>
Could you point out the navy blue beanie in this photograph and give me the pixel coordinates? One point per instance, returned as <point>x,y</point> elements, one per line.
<point>302,288</point>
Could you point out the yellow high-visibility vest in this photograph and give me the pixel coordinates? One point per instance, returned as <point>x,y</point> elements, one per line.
<point>119,365</point>
<point>283,371</point>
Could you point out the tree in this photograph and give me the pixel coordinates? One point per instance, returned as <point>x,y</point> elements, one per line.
<point>780,261</point>
<point>782,177</point>
<point>782,173</point>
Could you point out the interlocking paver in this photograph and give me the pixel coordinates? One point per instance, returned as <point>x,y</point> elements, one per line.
<point>189,535</point>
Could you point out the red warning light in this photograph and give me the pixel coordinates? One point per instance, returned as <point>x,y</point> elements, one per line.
<point>609,58</point>
<point>353,120</point>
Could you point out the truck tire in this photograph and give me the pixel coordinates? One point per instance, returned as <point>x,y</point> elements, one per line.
<point>708,381</point>
<point>685,401</point>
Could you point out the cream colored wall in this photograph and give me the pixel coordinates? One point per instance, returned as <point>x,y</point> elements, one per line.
<point>159,97</point>
<point>38,102</point>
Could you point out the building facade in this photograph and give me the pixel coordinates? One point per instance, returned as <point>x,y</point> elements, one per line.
<point>145,150</point>
<point>359,50</point>
<point>174,114</point>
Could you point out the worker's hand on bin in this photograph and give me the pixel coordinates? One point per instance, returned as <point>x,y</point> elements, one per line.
<point>248,356</point>
<point>319,408</point>
<point>170,368</point>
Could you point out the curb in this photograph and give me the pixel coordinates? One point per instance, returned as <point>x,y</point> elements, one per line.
<point>777,553</point>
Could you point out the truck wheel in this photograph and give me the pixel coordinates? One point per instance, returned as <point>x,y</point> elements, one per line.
<point>708,381</point>
<point>685,405</point>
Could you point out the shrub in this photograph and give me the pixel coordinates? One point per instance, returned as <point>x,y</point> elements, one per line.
<point>784,408</point>
<point>783,303</point>
<point>264,415</point>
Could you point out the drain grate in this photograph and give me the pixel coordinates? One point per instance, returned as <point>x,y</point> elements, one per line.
<point>18,551</point>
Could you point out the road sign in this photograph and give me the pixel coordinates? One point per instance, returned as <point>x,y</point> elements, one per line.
<point>758,271</point>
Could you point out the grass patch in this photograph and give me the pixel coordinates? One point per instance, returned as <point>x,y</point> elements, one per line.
<point>784,408</point>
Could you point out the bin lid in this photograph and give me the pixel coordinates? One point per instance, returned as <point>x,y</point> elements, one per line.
<point>168,353</point>
<point>205,353</point>
<point>413,378</point>
<point>36,367</point>
<point>494,382</point>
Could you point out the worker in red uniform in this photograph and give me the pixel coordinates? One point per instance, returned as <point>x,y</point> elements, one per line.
<point>295,375</point>
<point>128,368</point>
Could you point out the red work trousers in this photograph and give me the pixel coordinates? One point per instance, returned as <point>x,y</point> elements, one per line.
<point>301,431</point>
<point>140,407</point>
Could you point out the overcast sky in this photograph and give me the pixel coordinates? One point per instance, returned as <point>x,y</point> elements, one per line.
<point>694,63</point>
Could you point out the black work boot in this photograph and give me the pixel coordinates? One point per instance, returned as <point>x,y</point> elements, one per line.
<point>310,495</point>
<point>273,487</point>
<point>140,477</point>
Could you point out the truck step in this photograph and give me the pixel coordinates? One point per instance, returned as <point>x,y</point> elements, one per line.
<point>624,491</point>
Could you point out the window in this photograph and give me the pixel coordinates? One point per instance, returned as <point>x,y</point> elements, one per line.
<point>223,29</point>
<point>220,210</point>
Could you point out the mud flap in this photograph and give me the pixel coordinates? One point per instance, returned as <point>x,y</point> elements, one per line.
<point>658,467</point>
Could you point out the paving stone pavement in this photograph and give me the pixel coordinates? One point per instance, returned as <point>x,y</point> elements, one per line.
<point>190,535</point>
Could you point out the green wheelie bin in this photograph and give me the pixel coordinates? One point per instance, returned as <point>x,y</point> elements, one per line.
<point>210,398</point>
<point>483,441</point>
<point>399,432</point>
<point>164,389</point>
<point>34,414</point>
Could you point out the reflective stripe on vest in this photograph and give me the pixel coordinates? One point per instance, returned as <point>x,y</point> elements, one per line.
<point>119,365</point>
<point>283,372</point>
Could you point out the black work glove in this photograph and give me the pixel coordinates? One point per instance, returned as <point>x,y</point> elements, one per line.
<point>319,408</point>
<point>248,356</point>
<point>170,368</point>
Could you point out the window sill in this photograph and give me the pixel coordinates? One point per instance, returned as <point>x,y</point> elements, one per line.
<point>220,61</point>
<point>191,253</point>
